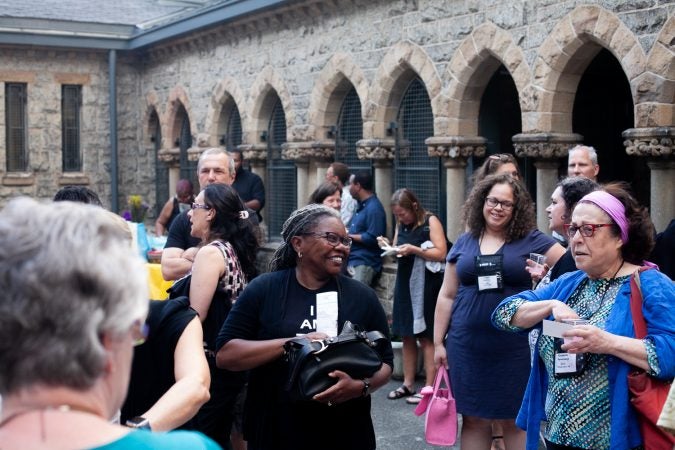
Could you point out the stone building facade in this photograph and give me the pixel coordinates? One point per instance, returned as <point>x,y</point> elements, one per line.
<point>303,58</point>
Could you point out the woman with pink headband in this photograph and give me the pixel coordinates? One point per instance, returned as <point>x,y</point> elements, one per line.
<point>578,383</point>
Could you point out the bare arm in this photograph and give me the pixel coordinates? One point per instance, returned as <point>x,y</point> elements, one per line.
<point>440,250</point>
<point>446,298</point>
<point>163,218</point>
<point>207,269</point>
<point>253,204</point>
<point>554,254</point>
<point>530,314</point>
<point>191,390</point>
<point>177,262</point>
<point>591,339</point>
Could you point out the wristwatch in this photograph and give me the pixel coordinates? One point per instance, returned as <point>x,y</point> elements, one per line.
<point>139,422</point>
<point>366,387</point>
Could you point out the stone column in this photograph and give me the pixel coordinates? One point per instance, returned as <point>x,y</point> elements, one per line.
<point>547,176</point>
<point>454,150</point>
<point>256,155</point>
<point>171,156</point>
<point>381,152</point>
<point>305,155</point>
<point>657,145</point>
<point>546,148</point>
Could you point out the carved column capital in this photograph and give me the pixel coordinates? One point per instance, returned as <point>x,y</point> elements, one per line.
<point>306,151</point>
<point>254,153</point>
<point>650,142</point>
<point>193,153</point>
<point>171,156</point>
<point>545,145</point>
<point>455,147</point>
<point>376,149</point>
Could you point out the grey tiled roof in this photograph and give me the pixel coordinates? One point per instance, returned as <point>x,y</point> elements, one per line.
<point>122,12</point>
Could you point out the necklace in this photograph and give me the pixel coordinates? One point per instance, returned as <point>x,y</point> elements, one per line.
<point>606,290</point>
<point>60,408</point>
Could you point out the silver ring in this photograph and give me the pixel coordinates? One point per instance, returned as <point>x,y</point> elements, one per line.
<point>330,403</point>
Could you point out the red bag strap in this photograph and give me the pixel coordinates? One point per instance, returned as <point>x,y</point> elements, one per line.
<point>639,324</point>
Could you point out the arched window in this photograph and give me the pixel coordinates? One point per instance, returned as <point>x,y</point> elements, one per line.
<point>349,132</point>
<point>282,189</point>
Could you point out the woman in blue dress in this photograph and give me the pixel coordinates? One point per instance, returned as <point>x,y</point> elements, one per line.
<point>488,367</point>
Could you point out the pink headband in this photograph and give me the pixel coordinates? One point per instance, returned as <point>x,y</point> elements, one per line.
<point>613,207</point>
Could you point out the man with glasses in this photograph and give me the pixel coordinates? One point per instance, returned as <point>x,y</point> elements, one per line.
<point>368,223</point>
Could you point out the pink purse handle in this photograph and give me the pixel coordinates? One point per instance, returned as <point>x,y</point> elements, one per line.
<point>441,375</point>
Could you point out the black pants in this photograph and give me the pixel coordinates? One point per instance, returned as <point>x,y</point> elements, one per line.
<point>215,417</point>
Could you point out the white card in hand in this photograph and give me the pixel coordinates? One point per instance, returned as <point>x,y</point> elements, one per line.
<point>327,313</point>
<point>555,329</point>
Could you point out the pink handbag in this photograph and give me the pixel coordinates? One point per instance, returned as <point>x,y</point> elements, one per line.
<point>440,425</point>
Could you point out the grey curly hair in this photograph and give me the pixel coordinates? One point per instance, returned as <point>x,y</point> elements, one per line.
<point>300,221</point>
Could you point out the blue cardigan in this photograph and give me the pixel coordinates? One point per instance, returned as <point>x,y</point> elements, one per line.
<point>658,308</point>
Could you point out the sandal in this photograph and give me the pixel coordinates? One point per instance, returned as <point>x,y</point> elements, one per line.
<point>414,399</point>
<point>496,444</point>
<point>400,392</point>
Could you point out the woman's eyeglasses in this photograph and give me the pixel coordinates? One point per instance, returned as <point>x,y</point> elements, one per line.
<point>493,202</point>
<point>586,230</point>
<point>333,238</point>
<point>200,206</point>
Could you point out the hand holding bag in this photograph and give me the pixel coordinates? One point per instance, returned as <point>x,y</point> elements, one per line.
<point>647,394</point>
<point>309,362</point>
<point>440,424</point>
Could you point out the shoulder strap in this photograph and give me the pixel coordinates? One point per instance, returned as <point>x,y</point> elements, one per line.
<point>639,324</point>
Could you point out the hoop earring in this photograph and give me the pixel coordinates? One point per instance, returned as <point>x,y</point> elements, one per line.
<point>300,255</point>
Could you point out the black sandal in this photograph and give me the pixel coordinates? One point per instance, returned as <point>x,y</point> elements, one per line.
<point>400,392</point>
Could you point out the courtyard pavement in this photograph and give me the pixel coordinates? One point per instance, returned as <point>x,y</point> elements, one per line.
<point>396,426</point>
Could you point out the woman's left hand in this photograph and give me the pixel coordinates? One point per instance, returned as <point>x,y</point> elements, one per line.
<point>345,389</point>
<point>407,249</point>
<point>588,339</point>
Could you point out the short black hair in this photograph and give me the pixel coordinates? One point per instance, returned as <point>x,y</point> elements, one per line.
<point>81,194</point>
<point>365,179</point>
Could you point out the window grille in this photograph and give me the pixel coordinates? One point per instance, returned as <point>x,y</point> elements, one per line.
<point>71,104</point>
<point>233,129</point>
<point>282,190</point>
<point>161,168</point>
<point>188,169</point>
<point>349,132</point>
<point>413,167</point>
<point>15,127</point>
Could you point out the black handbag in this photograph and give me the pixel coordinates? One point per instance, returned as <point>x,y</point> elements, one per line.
<point>309,362</point>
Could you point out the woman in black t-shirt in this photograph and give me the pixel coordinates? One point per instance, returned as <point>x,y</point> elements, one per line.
<point>304,294</point>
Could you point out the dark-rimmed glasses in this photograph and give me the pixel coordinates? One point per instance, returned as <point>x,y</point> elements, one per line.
<point>200,206</point>
<point>493,202</point>
<point>332,238</point>
<point>586,230</point>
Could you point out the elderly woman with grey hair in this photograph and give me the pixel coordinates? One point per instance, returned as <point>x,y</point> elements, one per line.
<point>72,305</point>
<point>303,294</point>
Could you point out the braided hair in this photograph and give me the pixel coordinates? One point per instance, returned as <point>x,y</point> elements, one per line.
<point>300,221</point>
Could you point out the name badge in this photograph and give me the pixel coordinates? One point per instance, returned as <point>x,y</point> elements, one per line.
<point>489,272</point>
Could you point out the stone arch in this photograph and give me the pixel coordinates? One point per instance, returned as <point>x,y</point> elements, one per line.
<point>564,56</point>
<point>333,83</point>
<point>470,70</point>
<point>227,92</point>
<point>656,88</point>
<point>256,116</point>
<point>398,67</point>
<point>177,98</point>
<point>152,105</point>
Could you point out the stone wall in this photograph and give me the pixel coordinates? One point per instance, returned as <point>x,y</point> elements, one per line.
<point>44,71</point>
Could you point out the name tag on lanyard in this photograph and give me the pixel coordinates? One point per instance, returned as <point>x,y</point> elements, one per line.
<point>489,269</point>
